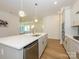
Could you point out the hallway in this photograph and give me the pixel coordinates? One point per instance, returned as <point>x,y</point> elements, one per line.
<point>54,51</point>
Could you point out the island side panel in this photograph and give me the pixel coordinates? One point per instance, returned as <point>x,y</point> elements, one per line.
<point>42,43</point>
<point>10,53</point>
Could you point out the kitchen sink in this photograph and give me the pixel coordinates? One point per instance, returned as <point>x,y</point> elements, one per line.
<point>76,37</point>
<point>36,35</point>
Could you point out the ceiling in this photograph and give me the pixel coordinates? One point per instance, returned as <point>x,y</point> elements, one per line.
<point>44,8</point>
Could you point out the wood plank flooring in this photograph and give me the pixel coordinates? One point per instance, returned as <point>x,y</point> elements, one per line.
<point>54,51</point>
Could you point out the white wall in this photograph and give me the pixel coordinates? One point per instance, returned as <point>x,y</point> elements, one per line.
<point>13,24</point>
<point>51,26</point>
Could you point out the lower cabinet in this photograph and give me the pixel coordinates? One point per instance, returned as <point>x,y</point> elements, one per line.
<point>71,47</point>
<point>42,42</point>
<point>10,53</point>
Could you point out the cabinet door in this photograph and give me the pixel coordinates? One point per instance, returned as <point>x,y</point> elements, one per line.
<point>10,53</point>
<point>65,43</point>
<point>70,47</point>
<point>76,20</point>
<point>76,50</point>
<point>41,46</point>
<point>45,40</point>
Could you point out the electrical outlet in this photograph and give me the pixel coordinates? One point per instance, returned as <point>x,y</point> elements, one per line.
<point>2,51</point>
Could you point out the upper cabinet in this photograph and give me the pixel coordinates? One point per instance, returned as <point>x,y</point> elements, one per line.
<point>75,19</point>
<point>75,12</point>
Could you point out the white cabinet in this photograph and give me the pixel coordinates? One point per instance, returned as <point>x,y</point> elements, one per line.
<point>42,42</point>
<point>40,46</point>
<point>75,20</point>
<point>10,53</point>
<point>75,17</point>
<point>70,47</point>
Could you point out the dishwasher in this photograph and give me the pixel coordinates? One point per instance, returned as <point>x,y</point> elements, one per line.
<point>31,51</point>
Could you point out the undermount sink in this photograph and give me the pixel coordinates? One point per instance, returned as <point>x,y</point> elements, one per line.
<point>76,37</point>
<point>36,35</point>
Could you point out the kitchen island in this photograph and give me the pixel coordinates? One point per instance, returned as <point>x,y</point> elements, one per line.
<point>13,47</point>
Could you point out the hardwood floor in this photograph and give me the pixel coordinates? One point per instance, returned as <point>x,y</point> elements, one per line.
<point>54,51</point>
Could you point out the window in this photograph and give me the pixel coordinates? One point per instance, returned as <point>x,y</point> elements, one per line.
<point>24,28</point>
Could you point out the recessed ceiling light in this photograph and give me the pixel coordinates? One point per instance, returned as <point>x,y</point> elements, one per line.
<point>55,2</point>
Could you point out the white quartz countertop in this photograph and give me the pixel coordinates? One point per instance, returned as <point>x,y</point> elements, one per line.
<point>20,41</point>
<point>77,41</point>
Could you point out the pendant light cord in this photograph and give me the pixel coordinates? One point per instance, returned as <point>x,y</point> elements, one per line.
<point>21,2</point>
<point>21,12</point>
<point>36,5</point>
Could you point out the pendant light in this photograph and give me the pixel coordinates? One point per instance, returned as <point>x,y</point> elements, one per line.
<point>55,2</point>
<point>36,20</point>
<point>21,12</point>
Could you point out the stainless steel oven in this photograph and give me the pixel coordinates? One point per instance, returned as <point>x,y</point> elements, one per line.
<point>31,51</point>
